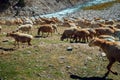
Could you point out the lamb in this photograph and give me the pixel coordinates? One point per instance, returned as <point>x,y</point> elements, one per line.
<point>20,37</point>
<point>46,28</point>
<point>111,49</point>
<point>25,28</point>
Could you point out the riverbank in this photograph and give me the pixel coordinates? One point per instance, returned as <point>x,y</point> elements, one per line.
<point>108,13</point>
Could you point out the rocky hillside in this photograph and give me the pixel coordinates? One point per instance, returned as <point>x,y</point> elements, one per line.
<point>34,7</point>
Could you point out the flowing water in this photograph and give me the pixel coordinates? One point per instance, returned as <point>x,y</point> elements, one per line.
<point>67,11</point>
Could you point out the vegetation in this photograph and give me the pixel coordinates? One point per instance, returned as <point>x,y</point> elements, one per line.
<point>101,6</point>
<point>4,4</point>
<point>48,59</point>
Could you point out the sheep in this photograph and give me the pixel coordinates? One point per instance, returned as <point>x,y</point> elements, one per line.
<point>116,32</point>
<point>92,33</point>
<point>20,37</point>
<point>46,28</point>
<point>68,33</point>
<point>54,26</point>
<point>25,28</point>
<point>103,31</point>
<point>82,35</point>
<point>0,29</point>
<point>107,37</point>
<point>109,22</point>
<point>111,49</point>
<point>117,26</point>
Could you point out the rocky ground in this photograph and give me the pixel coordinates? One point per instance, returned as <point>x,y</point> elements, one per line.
<point>108,13</point>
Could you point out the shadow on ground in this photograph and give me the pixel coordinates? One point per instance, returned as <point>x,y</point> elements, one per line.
<point>7,49</point>
<point>88,78</point>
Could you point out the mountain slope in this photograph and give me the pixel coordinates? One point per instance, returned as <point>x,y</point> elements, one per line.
<point>35,7</point>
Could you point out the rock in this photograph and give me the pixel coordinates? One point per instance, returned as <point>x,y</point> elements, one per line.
<point>62,59</point>
<point>28,52</point>
<point>69,48</point>
<point>103,54</point>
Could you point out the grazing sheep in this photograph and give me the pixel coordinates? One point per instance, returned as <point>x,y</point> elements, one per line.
<point>107,37</point>
<point>116,32</point>
<point>109,22</point>
<point>54,26</point>
<point>25,28</point>
<point>111,49</point>
<point>92,33</point>
<point>68,33</point>
<point>117,26</point>
<point>0,29</point>
<point>103,31</point>
<point>81,35</point>
<point>20,37</point>
<point>46,28</point>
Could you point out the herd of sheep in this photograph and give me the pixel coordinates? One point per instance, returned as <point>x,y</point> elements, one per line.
<point>97,32</point>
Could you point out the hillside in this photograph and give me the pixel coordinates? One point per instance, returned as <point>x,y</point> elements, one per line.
<point>34,7</point>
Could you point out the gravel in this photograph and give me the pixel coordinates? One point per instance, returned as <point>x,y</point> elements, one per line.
<point>108,13</point>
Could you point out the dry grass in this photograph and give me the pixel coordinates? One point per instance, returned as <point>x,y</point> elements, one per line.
<point>48,59</point>
<point>101,6</point>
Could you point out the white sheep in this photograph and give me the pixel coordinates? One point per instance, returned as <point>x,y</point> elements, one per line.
<point>25,28</point>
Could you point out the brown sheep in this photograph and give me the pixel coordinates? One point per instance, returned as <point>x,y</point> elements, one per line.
<point>111,49</point>
<point>82,35</point>
<point>109,22</point>
<point>46,28</point>
<point>92,33</point>
<point>20,37</point>
<point>116,32</point>
<point>103,31</point>
<point>68,33</point>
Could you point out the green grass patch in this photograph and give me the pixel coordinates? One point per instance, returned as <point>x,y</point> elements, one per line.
<point>101,6</point>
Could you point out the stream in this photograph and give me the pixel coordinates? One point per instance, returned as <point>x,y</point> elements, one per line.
<point>67,11</point>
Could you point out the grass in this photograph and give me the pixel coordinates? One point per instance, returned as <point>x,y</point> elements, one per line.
<point>101,6</point>
<point>48,59</point>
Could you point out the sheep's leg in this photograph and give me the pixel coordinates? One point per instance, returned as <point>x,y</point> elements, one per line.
<point>38,32</point>
<point>110,65</point>
<point>47,34</point>
<point>15,43</point>
<point>51,33</point>
<point>29,43</point>
<point>42,34</point>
